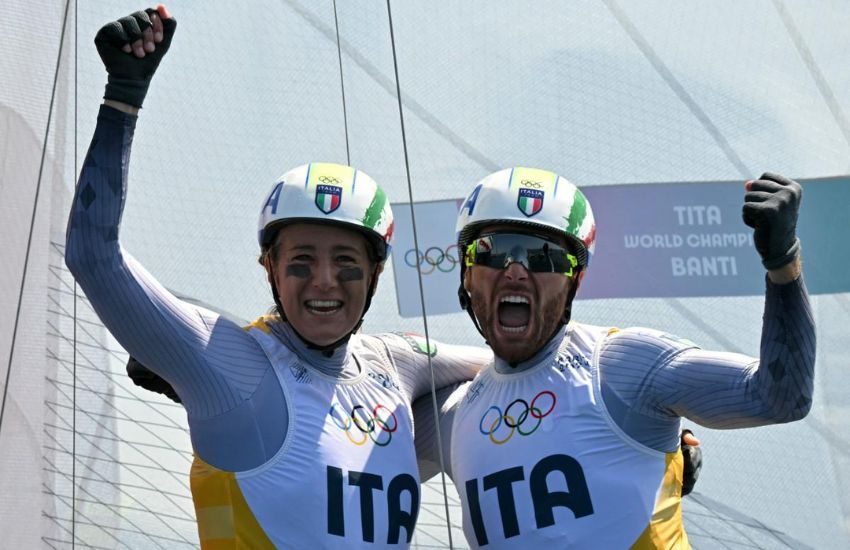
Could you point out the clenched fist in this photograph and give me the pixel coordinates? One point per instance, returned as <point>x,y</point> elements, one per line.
<point>131,49</point>
<point>771,205</point>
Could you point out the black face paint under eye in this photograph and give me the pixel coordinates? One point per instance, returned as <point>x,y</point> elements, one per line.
<point>348,274</point>
<point>301,271</point>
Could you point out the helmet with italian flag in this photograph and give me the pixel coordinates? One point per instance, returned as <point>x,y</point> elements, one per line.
<point>533,198</point>
<point>328,193</point>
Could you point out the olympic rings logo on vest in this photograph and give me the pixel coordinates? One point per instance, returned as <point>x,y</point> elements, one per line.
<point>370,425</point>
<point>493,421</point>
<point>434,258</point>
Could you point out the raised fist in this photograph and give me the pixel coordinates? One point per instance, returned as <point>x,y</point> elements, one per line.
<point>771,205</point>
<point>131,49</point>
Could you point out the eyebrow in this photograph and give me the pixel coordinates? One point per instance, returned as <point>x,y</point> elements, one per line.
<point>336,248</point>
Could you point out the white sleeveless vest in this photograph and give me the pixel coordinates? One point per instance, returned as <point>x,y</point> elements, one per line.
<point>539,463</point>
<point>346,476</point>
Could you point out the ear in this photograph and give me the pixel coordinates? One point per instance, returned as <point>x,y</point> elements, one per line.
<point>376,276</point>
<point>267,264</point>
<point>467,279</point>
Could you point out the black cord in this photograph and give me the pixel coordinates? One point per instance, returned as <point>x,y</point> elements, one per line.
<point>342,88</point>
<point>419,274</point>
<point>74,364</point>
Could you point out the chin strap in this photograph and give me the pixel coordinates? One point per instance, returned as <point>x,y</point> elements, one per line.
<point>466,305</point>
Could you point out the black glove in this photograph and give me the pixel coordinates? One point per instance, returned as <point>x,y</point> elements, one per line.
<point>146,379</point>
<point>693,465</point>
<point>130,76</point>
<point>770,207</point>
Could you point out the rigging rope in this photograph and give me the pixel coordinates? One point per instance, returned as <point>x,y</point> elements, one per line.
<point>342,88</point>
<point>419,275</point>
<point>74,309</point>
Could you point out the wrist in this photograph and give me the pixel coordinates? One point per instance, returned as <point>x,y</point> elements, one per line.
<point>776,262</point>
<point>787,273</point>
<point>121,106</point>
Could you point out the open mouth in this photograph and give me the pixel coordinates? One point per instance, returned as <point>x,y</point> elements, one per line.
<point>323,307</point>
<point>514,313</point>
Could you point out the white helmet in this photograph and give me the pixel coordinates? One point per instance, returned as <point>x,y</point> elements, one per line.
<point>531,198</point>
<point>329,193</point>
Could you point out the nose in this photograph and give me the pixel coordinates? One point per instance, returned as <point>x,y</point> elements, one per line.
<point>324,276</point>
<point>516,272</point>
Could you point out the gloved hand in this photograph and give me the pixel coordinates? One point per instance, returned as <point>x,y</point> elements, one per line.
<point>693,461</point>
<point>131,49</point>
<point>146,379</point>
<point>771,205</point>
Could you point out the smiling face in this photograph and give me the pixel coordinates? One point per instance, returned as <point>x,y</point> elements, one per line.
<point>518,310</point>
<point>322,274</point>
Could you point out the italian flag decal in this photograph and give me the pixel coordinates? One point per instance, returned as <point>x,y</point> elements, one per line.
<point>328,197</point>
<point>530,201</point>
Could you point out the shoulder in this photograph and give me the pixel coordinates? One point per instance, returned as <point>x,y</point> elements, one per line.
<point>589,334</point>
<point>639,344</point>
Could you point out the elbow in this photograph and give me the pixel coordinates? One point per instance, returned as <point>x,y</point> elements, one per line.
<point>84,259</point>
<point>793,411</point>
<point>803,408</point>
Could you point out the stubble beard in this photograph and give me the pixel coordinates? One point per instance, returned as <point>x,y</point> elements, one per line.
<point>522,346</point>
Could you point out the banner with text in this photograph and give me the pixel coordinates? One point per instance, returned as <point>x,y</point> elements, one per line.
<point>653,240</point>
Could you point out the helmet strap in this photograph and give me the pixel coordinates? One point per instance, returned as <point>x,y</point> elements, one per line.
<point>466,302</point>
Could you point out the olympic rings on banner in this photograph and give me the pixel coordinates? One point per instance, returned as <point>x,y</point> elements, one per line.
<point>515,416</point>
<point>366,423</point>
<point>435,258</point>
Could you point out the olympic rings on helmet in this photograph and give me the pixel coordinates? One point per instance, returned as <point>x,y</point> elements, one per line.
<point>365,422</point>
<point>329,180</point>
<point>516,423</point>
<point>433,258</point>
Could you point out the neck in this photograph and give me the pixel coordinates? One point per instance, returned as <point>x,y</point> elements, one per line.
<point>329,362</point>
<point>543,354</point>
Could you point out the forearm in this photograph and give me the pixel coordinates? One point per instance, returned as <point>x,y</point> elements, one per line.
<point>99,198</point>
<point>428,444</point>
<point>785,378</point>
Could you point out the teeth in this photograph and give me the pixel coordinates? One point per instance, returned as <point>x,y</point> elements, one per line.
<point>514,299</point>
<point>323,307</point>
<point>514,329</point>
